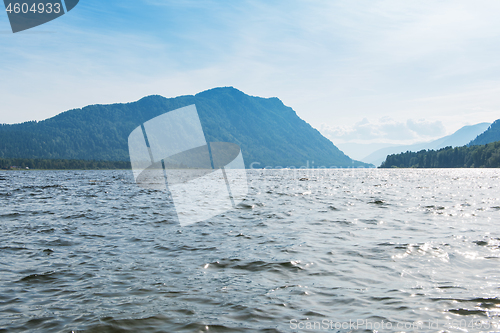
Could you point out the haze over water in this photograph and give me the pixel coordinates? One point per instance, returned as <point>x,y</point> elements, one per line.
<point>91,251</point>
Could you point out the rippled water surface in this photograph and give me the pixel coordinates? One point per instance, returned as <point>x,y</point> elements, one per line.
<point>90,251</point>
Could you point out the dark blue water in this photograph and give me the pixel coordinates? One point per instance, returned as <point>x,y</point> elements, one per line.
<point>308,251</point>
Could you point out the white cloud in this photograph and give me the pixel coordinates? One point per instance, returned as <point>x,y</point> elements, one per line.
<point>334,62</point>
<point>385,130</point>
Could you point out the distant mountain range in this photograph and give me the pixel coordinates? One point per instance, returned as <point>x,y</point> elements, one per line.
<point>359,151</point>
<point>460,138</point>
<point>268,132</point>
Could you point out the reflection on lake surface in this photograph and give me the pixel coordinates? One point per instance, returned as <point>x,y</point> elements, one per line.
<point>91,251</point>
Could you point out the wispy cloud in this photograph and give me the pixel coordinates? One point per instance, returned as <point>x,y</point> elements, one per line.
<point>334,62</point>
<point>385,130</point>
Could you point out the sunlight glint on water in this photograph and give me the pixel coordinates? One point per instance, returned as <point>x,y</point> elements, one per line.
<point>91,251</point>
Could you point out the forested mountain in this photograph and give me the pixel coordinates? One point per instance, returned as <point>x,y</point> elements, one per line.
<point>267,131</point>
<point>492,134</point>
<point>483,156</point>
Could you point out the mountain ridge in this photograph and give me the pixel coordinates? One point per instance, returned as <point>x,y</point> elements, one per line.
<point>269,133</point>
<point>492,134</point>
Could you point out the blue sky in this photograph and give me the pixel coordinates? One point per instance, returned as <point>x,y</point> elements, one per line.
<point>364,71</point>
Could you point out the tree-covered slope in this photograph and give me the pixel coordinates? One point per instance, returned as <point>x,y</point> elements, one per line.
<point>492,134</point>
<point>267,131</point>
<point>483,156</point>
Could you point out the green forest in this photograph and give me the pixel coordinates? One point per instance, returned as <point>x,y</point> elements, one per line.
<point>47,164</point>
<point>481,156</point>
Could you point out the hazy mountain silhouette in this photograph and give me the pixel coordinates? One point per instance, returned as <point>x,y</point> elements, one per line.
<point>358,151</point>
<point>457,139</point>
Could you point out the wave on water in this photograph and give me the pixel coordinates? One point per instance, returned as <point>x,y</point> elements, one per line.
<point>88,251</point>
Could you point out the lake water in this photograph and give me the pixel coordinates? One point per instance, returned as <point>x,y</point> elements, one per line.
<point>308,251</point>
